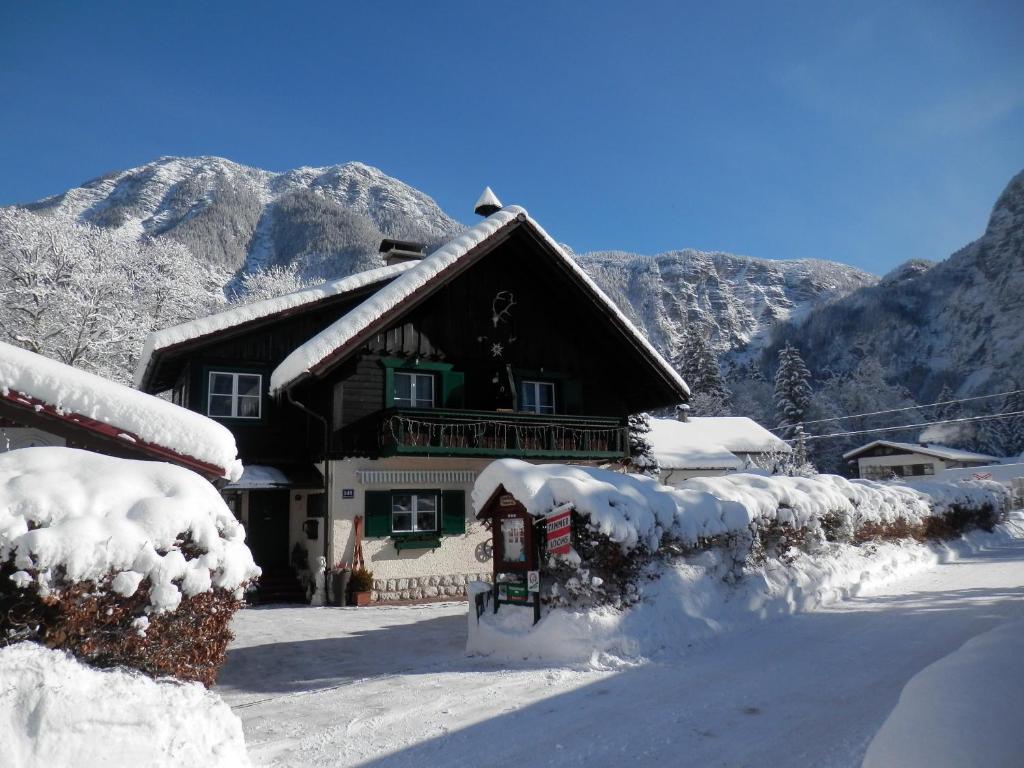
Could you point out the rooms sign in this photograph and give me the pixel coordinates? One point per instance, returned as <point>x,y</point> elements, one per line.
<point>559,526</point>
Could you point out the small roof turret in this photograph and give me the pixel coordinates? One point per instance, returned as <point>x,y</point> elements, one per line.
<point>488,203</point>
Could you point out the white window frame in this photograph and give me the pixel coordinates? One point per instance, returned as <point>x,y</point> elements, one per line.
<point>234,395</point>
<point>536,385</point>
<point>414,376</point>
<point>414,512</point>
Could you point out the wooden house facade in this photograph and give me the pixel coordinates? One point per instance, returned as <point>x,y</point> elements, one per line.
<point>380,397</point>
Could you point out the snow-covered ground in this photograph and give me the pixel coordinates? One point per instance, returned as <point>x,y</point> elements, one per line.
<point>393,686</point>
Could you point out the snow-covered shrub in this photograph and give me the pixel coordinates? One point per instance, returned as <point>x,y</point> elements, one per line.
<point>623,523</point>
<point>119,562</point>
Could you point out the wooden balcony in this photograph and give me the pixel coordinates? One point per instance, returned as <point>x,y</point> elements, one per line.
<point>438,432</point>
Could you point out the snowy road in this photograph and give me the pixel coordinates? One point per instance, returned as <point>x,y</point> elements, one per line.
<point>392,686</point>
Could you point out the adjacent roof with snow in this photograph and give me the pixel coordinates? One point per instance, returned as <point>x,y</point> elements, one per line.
<point>90,410</point>
<point>710,442</point>
<point>340,338</point>
<point>258,310</point>
<point>938,451</point>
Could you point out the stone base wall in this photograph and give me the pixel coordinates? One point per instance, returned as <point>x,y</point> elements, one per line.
<point>425,587</point>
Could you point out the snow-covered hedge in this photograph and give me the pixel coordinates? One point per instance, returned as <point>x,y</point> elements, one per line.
<point>57,712</point>
<point>118,561</point>
<point>623,519</point>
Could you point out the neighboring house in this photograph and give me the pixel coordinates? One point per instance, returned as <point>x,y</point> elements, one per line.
<point>398,385</point>
<point>1009,473</point>
<point>44,402</point>
<point>711,445</point>
<point>883,459</point>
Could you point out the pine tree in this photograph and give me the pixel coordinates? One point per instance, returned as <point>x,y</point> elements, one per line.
<point>641,452</point>
<point>949,410</point>
<point>792,390</point>
<point>1014,425</point>
<point>698,364</point>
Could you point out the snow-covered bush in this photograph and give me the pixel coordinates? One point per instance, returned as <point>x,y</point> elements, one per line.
<point>55,711</point>
<point>623,523</point>
<point>119,562</point>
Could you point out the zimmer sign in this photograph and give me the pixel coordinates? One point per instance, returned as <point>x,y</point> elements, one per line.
<point>559,531</point>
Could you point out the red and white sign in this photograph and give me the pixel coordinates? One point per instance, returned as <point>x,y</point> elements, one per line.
<point>982,476</point>
<point>559,525</point>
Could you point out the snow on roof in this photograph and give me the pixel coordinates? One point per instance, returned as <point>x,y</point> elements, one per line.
<point>310,354</point>
<point>246,313</point>
<point>636,510</point>
<point>710,442</point>
<point>487,199</point>
<point>142,420</point>
<point>938,451</point>
<point>86,517</point>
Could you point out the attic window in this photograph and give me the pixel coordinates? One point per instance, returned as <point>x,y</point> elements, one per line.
<point>537,397</point>
<point>414,390</point>
<point>234,395</point>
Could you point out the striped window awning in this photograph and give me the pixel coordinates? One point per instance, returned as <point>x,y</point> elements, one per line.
<point>416,476</point>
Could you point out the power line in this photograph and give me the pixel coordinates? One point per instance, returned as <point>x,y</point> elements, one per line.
<point>910,426</point>
<point>907,408</point>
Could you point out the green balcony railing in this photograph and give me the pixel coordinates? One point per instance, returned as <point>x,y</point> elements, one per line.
<point>430,431</point>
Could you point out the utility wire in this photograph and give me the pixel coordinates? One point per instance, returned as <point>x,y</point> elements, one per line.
<point>907,408</point>
<point>909,426</point>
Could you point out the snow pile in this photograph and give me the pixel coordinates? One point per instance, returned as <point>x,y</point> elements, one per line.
<point>703,442</point>
<point>257,310</point>
<point>634,509</point>
<point>692,602</point>
<point>57,712</point>
<point>68,515</point>
<point>962,710</point>
<point>136,414</point>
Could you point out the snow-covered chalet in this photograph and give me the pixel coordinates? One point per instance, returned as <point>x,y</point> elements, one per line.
<point>365,407</point>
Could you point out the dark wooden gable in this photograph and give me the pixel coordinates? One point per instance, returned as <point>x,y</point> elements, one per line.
<point>518,305</point>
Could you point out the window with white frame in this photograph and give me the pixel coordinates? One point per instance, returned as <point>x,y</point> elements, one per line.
<point>537,397</point>
<point>234,395</point>
<point>413,390</point>
<point>413,512</point>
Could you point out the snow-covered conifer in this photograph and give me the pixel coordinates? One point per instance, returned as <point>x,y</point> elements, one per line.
<point>792,390</point>
<point>641,452</point>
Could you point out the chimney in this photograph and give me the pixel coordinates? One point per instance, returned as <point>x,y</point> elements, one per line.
<point>683,412</point>
<point>488,203</point>
<point>399,251</point>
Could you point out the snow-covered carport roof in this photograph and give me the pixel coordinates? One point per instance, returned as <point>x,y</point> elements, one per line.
<point>340,339</point>
<point>95,413</point>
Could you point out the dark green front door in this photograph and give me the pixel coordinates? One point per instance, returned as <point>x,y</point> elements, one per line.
<point>267,532</point>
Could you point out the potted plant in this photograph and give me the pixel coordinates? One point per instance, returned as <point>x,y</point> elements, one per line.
<point>361,584</point>
<point>339,583</point>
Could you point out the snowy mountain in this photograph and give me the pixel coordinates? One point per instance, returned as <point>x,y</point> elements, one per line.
<point>328,222</point>
<point>958,322</point>
<point>735,300</point>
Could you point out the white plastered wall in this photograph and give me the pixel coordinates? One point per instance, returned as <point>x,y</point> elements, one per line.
<point>459,555</point>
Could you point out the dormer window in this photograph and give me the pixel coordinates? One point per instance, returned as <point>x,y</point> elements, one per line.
<point>537,397</point>
<point>413,390</point>
<point>234,395</point>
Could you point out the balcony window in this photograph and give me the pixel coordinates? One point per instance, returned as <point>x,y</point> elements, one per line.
<point>413,512</point>
<point>537,397</point>
<point>413,390</point>
<point>234,395</point>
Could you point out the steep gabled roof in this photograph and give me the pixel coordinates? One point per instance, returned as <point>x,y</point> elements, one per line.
<point>938,451</point>
<point>342,337</point>
<point>90,410</point>
<point>246,315</point>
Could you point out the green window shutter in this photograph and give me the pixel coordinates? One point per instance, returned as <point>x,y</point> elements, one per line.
<point>453,511</point>
<point>378,513</point>
<point>453,389</point>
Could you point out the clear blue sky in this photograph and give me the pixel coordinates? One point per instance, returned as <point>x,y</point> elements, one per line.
<point>863,132</point>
